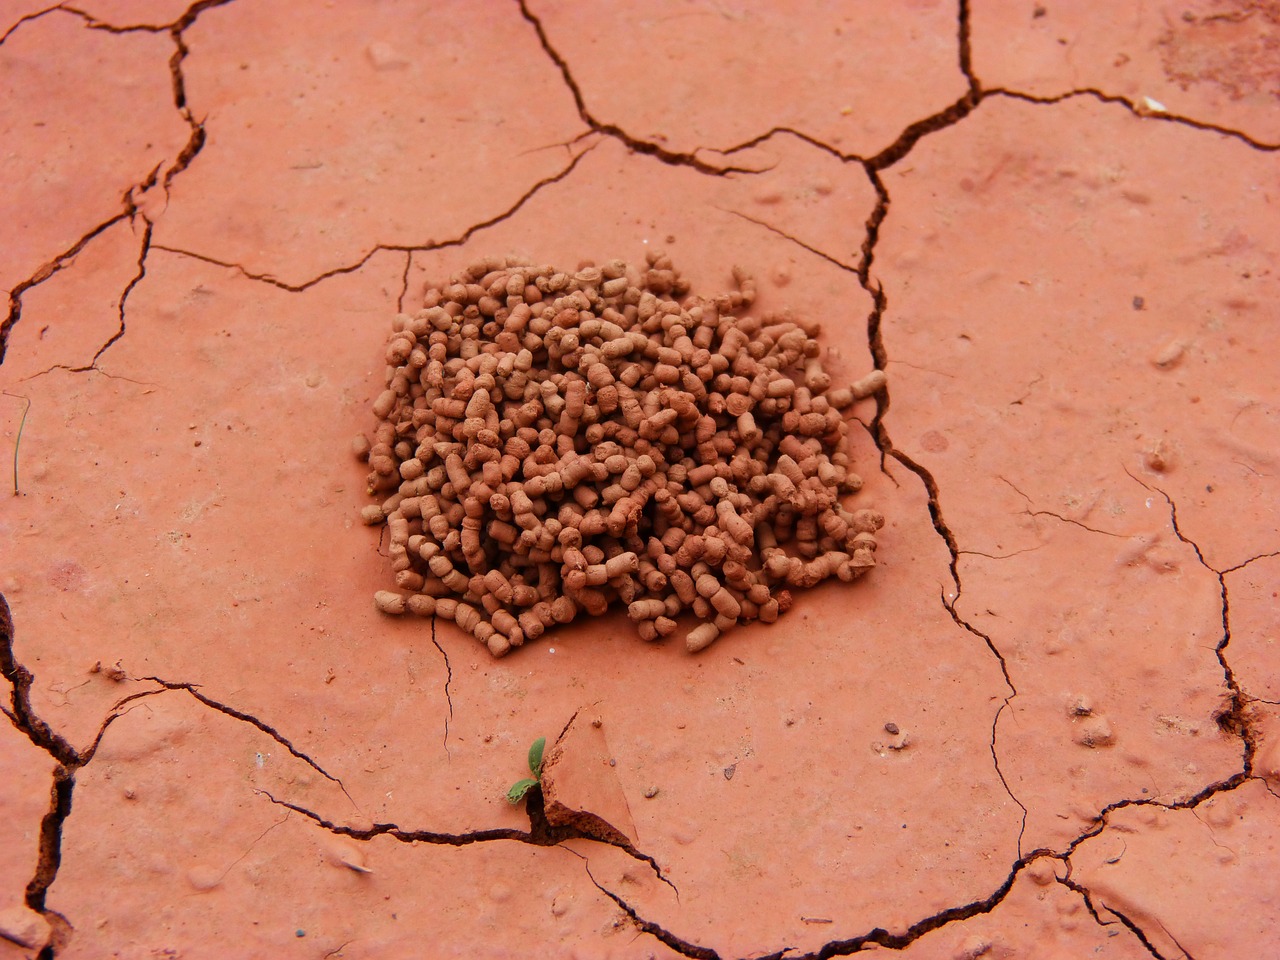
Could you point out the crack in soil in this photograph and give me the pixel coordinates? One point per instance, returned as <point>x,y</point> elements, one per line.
<point>404,282</point>
<point>877,428</point>
<point>1245,563</point>
<point>1049,513</point>
<point>192,148</point>
<point>541,832</point>
<point>270,731</point>
<point>683,947</point>
<point>448,678</point>
<point>879,937</point>
<point>1234,720</point>
<point>69,760</point>
<point>1102,822</point>
<point>797,241</point>
<point>26,18</point>
<point>57,264</point>
<point>1089,905</point>
<point>635,144</point>
<point>410,249</point>
<point>21,714</point>
<point>1137,110</point>
<point>92,365</point>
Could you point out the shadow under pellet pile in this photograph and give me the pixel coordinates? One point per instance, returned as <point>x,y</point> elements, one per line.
<point>553,442</point>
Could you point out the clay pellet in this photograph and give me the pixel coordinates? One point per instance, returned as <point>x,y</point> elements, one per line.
<point>550,442</point>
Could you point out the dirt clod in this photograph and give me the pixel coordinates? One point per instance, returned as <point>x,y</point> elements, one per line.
<point>551,443</point>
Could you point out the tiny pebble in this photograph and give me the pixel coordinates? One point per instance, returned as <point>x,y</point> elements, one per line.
<point>1168,355</point>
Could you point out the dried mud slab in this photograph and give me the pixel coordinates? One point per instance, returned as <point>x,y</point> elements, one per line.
<point>1110,615</point>
<point>1069,556</point>
<point>1198,882</point>
<point>75,152</point>
<point>204,584</point>
<point>1080,298</point>
<point>1212,61</point>
<point>67,323</point>
<point>299,176</point>
<point>580,786</point>
<point>166,545</point>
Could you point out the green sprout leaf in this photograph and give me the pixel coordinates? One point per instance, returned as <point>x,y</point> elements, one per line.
<point>519,789</point>
<point>535,756</point>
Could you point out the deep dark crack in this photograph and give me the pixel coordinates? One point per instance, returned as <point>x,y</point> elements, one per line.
<point>541,832</point>
<point>1087,896</point>
<point>50,858</point>
<point>1137,932</point>
<point>27,18</point>
<point>646,147</point>
<point>195,143</point>
<point>120,311</point>
<point>914,132</point>
<point>879,937</point>
<point>21,713</point>
<point>682,947</point>
<point>58,263</point>
<point>24,718</point>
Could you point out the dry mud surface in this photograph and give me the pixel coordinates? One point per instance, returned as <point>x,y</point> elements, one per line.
<point>1046,725</point>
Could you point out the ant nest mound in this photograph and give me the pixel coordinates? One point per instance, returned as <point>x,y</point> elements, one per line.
<point>550,442</point>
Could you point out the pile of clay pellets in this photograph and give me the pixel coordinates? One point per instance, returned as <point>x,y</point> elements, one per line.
<point>551,443</point>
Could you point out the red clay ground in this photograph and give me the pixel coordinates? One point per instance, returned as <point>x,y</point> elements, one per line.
<point>1055,227</point>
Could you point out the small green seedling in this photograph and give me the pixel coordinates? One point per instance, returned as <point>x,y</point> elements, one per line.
<point>521,787</point>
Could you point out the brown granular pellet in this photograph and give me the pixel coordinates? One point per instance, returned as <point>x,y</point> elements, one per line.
<point>550,443</point>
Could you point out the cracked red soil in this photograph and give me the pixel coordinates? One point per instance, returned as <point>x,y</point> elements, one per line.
<point>1046,726</point>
